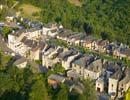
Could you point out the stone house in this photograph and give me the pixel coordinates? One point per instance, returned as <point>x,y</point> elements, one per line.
<point>51,29</point>
<point>121,51</point>
<point>54,80</point>
<point>79,38</point>
<point>100,85</point>
<point>124,84</point>
<point>64,56</point>
<point>125,53</point>
<point>80,64</point>
<point>75,38</point>
<point>72,74</point>
<point>87,67</point>
<point>14,38</point>
<point>89,44</point>
<point>17,46</point>
<point>22,40</point>
<point>21,63</point>
<point>30,45</point>
<point>10,18</point>
<point>94,69</point>
<point>101,45</point>
<point>113,83</point>
<point>36,51</point>
<point>65,35</point>
<point>46,61</point>
<point>33,33</point>
<point>67,62</point>
<point>50,57</point>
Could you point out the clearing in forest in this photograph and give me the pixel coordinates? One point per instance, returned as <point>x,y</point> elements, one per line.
<point>29,9</point>
<point>75,2</point>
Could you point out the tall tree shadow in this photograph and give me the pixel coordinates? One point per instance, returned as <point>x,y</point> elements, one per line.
<point>12,95</point>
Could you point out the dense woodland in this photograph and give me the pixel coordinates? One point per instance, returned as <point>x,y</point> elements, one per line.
<point>108,17</point>
<point>24,84</point>
<point>111,17</point>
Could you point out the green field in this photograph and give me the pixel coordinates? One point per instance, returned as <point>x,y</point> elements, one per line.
<point>75,2</point>
<point>28,10</point>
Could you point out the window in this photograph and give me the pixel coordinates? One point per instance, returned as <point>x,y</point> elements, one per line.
<point>80,72</point>
<point>121,93</point>
<point>112,86</point>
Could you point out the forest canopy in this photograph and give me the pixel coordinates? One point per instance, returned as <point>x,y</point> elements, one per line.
<point>111,17</point>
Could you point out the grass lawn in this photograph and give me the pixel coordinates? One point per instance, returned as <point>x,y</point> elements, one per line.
<point>75,2</point>
<point>28,10</point>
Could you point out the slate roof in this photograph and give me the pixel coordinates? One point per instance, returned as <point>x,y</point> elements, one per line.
<point>83,61</point>
<point>126,52</point>
<point>66,54</point>
<point>111,66</point>
<point>125,80</point>
<point>40,45</point>
<point>73,74</point>
<point>29,43</point>
<point>19,32</point>
<point>57,77</point>
<point>49,51</point>
<point>66,33</point>
<point>95,66</point>
<point>102,42</point>
<point>19,61</point>
<point>100,80</point>
<point>117,75</point>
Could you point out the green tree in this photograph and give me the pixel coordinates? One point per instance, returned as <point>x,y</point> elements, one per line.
<point>63,94</point>
<point>38,90</point>
<point>6,30</point>
<point>58,68</point>
<point>89,92</point>
<point>104,35</point>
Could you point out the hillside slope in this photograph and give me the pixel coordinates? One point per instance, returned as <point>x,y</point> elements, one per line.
<point>111,17</point>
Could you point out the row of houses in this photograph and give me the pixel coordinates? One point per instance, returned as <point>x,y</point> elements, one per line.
<point>119,50</point>
<point>73,38</point>
<point>112,77</point>
<point>26,43</point>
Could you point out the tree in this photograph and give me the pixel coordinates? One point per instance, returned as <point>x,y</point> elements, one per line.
<point>63,94</point>
<point>38,91</point>
<point>89,92</point>
<point>104,35</point>
<point>58,68</point>
<point>6,30</point>
<point>87,28</point>
<point>12,95</point>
